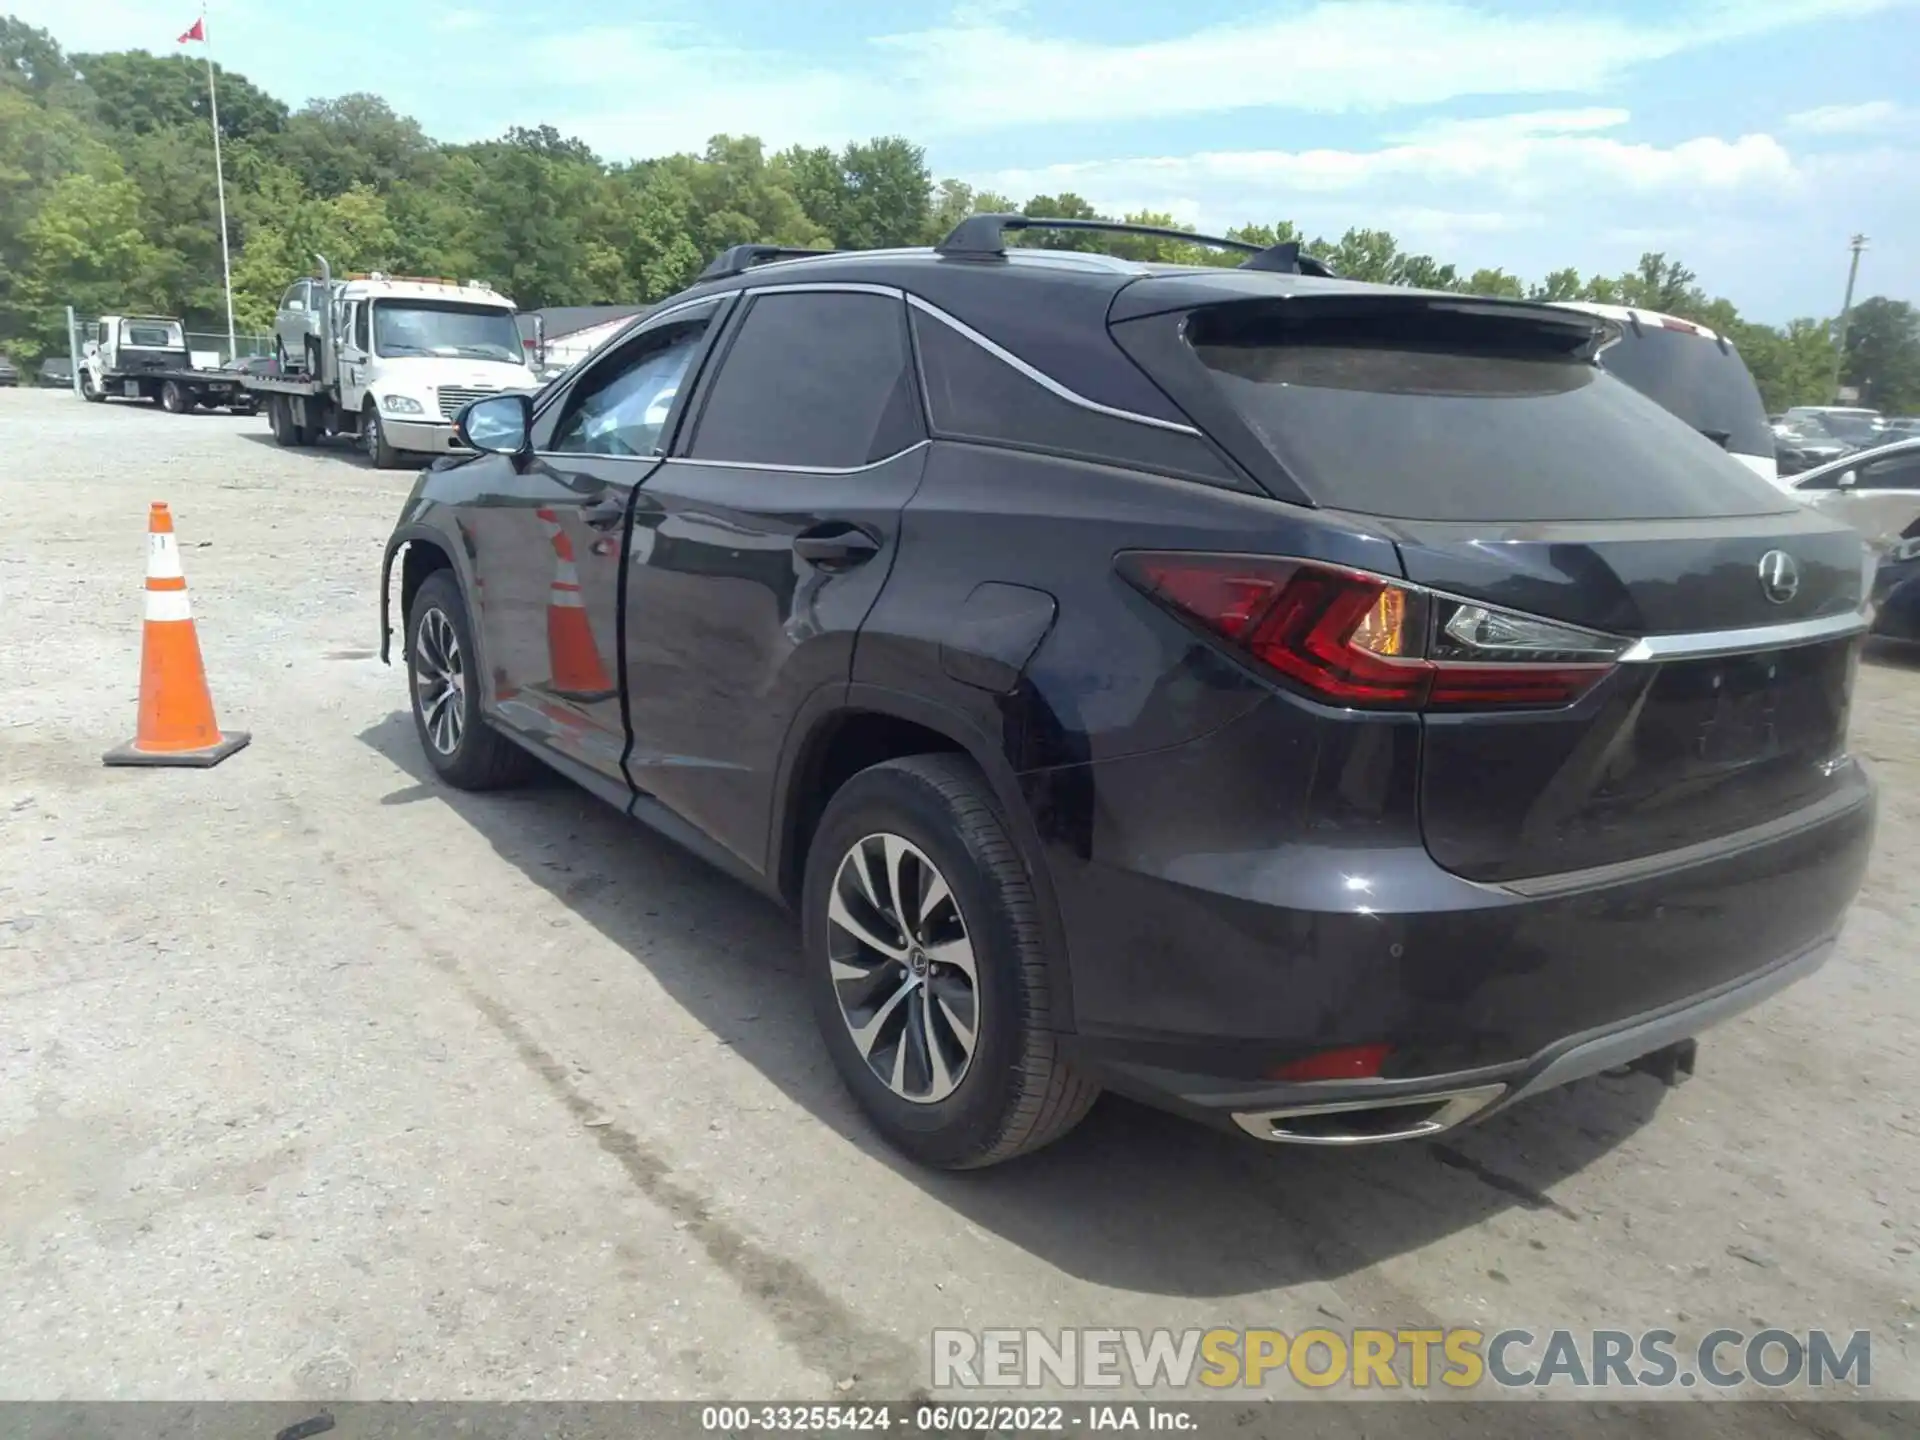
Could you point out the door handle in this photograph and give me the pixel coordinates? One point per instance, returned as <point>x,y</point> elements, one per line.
<point>835,546</point>
<point>604,513</point>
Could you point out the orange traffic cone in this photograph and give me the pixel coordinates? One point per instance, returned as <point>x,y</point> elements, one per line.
<point>577,672</point>
<point>176,724</point>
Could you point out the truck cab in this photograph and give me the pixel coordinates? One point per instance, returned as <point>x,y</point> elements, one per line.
<point>124,348</point>
<point>408,353</point>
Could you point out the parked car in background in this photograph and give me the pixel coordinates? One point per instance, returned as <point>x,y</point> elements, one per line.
<point>1849,424</point>
<point>1692,372</point>
<point>1900,427</point>
<point>1796,452</point>
<point>1875,491</point>
<point>1333,711</point>
<point>56,373</point>
<point>9,372</point>
<point>1896,592</point>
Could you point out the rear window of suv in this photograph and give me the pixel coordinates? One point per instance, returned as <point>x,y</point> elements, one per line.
<point>1444,412</point>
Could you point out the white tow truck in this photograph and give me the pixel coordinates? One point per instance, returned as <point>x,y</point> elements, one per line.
<point>145,357</point>
<point>391,360</point>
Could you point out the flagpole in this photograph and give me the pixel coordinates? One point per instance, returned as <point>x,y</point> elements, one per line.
<point>220,183</point>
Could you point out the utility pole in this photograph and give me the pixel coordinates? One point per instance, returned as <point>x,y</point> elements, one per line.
<point>1857,244</point>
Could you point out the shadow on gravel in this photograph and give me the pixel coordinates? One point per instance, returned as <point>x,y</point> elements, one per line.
<point>1133,1199</point>
<point>1892,654</point>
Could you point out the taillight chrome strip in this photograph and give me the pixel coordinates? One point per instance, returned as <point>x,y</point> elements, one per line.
<point>1652,649</point>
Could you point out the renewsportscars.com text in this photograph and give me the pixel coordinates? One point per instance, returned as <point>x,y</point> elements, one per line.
<point>1376,1359</point>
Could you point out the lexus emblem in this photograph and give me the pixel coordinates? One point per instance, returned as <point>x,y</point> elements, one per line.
<point>1779,576</point>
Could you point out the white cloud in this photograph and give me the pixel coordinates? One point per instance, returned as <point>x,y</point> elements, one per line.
<point>1858,119</point>
<point>1328,56</point>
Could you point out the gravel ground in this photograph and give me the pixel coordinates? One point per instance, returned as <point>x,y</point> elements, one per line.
<point>318,1080</point>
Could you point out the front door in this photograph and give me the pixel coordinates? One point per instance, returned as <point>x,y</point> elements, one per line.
<point>547,546</point>
<point>759,547</point>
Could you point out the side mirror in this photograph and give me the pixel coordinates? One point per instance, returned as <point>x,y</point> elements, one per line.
<point>498,425</point>
<point>1848,479</point>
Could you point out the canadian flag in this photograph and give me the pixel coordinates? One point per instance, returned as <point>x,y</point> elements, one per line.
<point>198,32</point>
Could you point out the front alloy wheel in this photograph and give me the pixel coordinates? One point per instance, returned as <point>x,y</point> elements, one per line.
<point>439,675</point>
<point>903,968</point>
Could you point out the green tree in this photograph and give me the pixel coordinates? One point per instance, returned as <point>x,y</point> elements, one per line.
<point>1494,282</point>
<point>1883,355</point>
<point>142,92</point>
<point>87,247</point>
<point>888,195</point>
<point>1792,365</point>
<point>1559,285</point>
<point>336,144</point>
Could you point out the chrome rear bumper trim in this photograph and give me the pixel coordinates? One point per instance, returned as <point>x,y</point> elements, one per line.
<point>1654,648</point>
<point>1454,1107</point>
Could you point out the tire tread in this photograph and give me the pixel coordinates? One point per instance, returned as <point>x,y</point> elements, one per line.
<point>1051,1097</point>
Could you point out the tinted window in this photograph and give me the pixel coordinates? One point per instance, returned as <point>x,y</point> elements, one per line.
<point>814,379</point>
<point>360,312</point>
<point>1692,378</point>
<point>974,395</point>
<point>622,405</point>
<point>1439,415</point>
<point>1896,472</point>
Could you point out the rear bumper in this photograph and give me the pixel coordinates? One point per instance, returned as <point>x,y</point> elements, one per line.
<point>1223,920</point>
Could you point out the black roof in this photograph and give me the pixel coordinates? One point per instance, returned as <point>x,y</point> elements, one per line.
<point>1039,305</point>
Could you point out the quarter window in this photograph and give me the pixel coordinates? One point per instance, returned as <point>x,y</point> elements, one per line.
<point>815,380</point>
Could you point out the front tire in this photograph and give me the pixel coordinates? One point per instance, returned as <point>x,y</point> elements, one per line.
<point>89,391</point>
<point>929,971</point>
<point>463,750</point>
<point>373,439</point>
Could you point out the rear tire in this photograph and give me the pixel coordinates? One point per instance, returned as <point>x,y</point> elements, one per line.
<point>173,398</point>
<point>373,440</point>
<point>280,421</point>
<point>311,348</point>
<point>929,825</point>
<point>444,684</point>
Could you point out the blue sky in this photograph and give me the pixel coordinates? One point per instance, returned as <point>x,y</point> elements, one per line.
<point>1748,138</point>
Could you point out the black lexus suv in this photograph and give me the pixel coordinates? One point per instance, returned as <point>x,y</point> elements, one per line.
<point>1328,710</point>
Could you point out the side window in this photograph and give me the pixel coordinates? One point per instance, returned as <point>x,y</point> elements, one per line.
<point>813,378</point>
<point>105,328</point>
<point>1896,472</point>
<point>622,406</point>
<point>973,394</point>
<point>296,296</point>
<point>361,310</point>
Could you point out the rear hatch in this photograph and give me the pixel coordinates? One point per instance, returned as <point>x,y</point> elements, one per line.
<point>1710,624</point>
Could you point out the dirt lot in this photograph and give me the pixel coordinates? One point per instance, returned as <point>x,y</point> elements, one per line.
<point>320,1080</point>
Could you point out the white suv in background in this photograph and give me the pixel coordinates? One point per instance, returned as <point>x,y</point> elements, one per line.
<point>1693,373</point>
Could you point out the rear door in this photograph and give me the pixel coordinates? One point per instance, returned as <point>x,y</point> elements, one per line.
<point>759,547</point>
<point>1511,471</point>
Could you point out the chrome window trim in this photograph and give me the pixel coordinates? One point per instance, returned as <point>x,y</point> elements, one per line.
<point>794,469</point>
<point>1040,377</point>
<point>1654,648</point>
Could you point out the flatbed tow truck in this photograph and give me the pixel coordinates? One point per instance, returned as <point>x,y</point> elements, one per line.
<point>396,359</point>
<point>145,357</point>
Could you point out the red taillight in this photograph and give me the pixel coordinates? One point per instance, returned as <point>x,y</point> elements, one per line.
<point>1364,641</point>
<point>1355,1062</point>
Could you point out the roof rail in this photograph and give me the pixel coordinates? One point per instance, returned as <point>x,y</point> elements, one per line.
<point>983,237</point>
<point>980,236</point>
<point>737,259</point>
